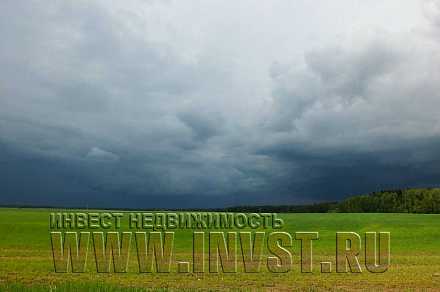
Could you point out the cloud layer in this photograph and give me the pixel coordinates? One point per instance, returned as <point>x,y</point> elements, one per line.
<point>163,104</point>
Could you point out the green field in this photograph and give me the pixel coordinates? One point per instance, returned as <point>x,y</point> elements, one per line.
<point>26,258</point>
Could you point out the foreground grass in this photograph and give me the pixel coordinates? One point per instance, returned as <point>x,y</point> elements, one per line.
<point>26,259</point>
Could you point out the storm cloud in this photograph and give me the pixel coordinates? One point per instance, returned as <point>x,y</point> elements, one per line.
<point>161,104</point>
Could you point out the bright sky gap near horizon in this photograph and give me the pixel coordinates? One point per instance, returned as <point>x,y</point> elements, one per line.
<point>216,103</point>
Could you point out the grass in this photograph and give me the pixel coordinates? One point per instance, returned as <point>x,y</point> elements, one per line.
<point>26,258</point>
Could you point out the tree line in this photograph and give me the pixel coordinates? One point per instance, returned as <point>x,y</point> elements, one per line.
<point>425,201</point>
<point>422,200</point>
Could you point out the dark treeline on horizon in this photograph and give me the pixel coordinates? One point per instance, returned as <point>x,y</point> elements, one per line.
<point>422,201</point>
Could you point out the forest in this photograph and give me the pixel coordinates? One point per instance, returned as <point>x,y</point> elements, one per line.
<point>421,201</point>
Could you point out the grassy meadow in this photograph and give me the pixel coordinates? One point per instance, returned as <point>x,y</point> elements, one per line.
<point>26,258</point>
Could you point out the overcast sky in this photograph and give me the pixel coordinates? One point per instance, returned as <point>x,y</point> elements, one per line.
<point>212,103</point>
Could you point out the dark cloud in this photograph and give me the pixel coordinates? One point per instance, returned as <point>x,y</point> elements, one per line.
<point>204,125</point>
<point>101,105</point>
